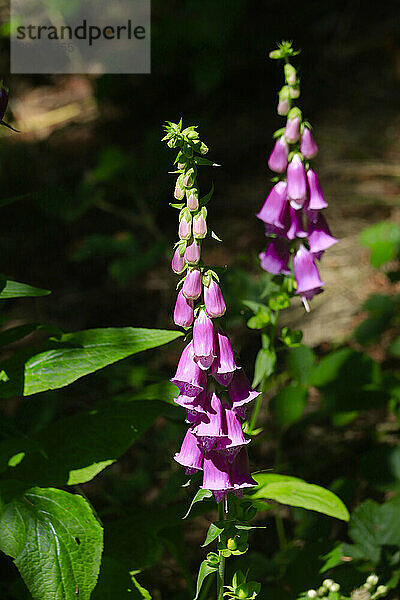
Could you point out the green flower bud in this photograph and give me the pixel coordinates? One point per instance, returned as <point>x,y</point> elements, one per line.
<point>192,198</point>
<point>312,594</point>
<point>372,579</point>
<point>231,544</point>
<point>189,178</point>
<point>295,91</point>
<point>179,192</point>
<point>381,589</point>
<point>203,148</point>
<point>293,113</point>
<point>290,74</point>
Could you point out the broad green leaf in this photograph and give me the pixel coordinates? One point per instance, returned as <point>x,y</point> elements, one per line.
<point>205,570</point>
<point>14,289</point>
<point>56,543</point>
<point>300,362</point>
<point>296,492</point>
<point>264,366</point>
<point>374,525</point>
<point>74,355</point>
<point>394,349</point>
<point>199,497</point>
<point>288,405</point>
<point>77,448</point>
<point>383,239</point>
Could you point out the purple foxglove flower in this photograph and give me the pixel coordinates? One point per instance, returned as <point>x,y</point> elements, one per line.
<point>198,403</point>
<point>214,430</point>
<point>185,224</point>
<point>190,455</point>
<point>194,417</point>
<point>283,107</point>
<point>189,378</point>
<point>235,434</point>
<point>275,259</point>
<point>319,235</point>
<point>214,300</point>
<point>183,312</point>
<point>200,225</point>
<point>179,192</point>
<point>308,147</point>
<point>316,199</point>
<point>192,285</point>
<point>192,199</point>
<point>216,476</point>
<point>240,472</point>
<point>178,262</point>
<point>295,225</point>
<point>292,130</point>
<point>279,156</point>
<point>203,340</point>
<point>192,253</point>
<point>240,392</point>
<point>274,207</point>
<point>306,274</point>
<point>296,182</point>
<point>224,366</point>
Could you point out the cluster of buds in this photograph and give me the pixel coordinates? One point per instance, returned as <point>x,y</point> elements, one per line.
<point>213,389</point>
<point>292,212</point>
<point>330,590</point>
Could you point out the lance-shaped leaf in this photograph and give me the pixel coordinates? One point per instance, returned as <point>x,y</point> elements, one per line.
<point>14,289</point>
<point>56,543</point>
<point>296,492</point>
<point>74,355</point>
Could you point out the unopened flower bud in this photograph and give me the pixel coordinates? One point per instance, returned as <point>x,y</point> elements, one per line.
<point>179,193</point>
<point>322,590</point>
<point>279,156</point>
<point>372,579</point>
<point>203,148</point>
<point>185,224</point>
<point>308,147</point>
<point>190,134</point>
<point>192,199</point>
<point>183,312</point>
<point>312,594</point>
<point>290,74</point>
<point>214,300</point>
<point>335,587</point>
<point>192,253</point>
<point>284,101</point>
<point>292,129</point>
<point>189,178</point>
<point>200,224</point>
<point>178,263</point>
<point>192,285</point>
<point>381,589</point>
<point>327,583</point>
<point>295,91</point>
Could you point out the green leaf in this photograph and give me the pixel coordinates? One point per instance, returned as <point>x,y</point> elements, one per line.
<point>374,525</point>
<point>296,492</point>
<point>288,405</point>
<point>205,570</point>
<point>199,497</point>
<point>74,355</point>
<point>383,239</point>
<point>56,543</point>
<point>264,366</point>
<point>300,361</point>
<point>394,349</point>
<point>75,449</point>
<point>213,532</point>
<point>14,289</point>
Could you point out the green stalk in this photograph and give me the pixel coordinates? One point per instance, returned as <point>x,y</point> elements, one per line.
<point>221,568</point>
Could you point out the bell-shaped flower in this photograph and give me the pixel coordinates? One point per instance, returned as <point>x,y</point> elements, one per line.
<point>189,378</point>
<point>296,182</point>
<point>192,253</point>
<point>283,107</point>
<point>274,207</point>
<point>275,258</point>
<point>214,300</point>
<point>316,198</point>
<point>191,453</point>
<point>192,199</point>
<point>216,475</point>
<point>179,192</point>
<point>200,224</point>
<point>240,392</point>
<point>240,472</point>
<point>178,263</point>
<point>214,430</point>
<point>185,224</point>
<point>306,274</point>
<point>183,312</point>
<point>203,340</point>
<point>198,403</point>
<point>192,285</point>
<point>235,434</point>
<point>308,147</point>
<point>279,156</point>
<point>224,366</point>
<point>292,129</point>
<point>295,224</point>
<point>319,236</point>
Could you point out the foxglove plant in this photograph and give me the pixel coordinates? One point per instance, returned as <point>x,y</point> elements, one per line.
<point>212,387</point>
<point>291,213</point>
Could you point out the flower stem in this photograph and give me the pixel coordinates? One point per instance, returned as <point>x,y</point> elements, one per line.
<point>221,568</point>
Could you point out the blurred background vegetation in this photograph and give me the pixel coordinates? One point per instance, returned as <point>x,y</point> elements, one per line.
<point>92,223</point>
